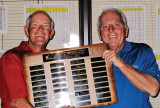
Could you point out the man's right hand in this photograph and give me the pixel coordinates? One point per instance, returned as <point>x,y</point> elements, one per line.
<point>20,103</point>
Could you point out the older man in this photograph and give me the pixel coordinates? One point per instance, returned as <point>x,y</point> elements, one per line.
<point>39,29</point>
<point>135,69</point>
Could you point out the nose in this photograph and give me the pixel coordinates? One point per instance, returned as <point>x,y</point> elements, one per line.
<point>40,28</point>
<point>111,28</point>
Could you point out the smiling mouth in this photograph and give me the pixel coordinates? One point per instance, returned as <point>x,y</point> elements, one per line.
<point>39,35</point>
<point>112,36</point>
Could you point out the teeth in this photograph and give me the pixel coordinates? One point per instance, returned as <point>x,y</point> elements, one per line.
<point>39,35</point>
<point>112,36</point>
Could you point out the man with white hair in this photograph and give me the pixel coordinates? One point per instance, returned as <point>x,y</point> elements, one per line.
<point>135,69</point>
<point>13,89</point>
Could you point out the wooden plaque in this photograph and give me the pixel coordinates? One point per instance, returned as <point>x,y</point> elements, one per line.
<point>74,76</point>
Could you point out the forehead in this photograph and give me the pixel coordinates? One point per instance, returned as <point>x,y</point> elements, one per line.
<point>40,16</point>
<point>110,16</point>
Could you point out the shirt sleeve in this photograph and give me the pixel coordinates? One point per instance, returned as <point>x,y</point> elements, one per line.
<point>150,65</point>
<point>12,69</point>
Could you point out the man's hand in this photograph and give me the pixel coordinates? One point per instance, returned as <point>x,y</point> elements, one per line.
<point>111,57</point>
<point>68,106</point>
<point>20,103</point>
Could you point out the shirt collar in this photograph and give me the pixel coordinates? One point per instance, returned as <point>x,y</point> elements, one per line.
<point>24,45</point>
<point>126,47</point>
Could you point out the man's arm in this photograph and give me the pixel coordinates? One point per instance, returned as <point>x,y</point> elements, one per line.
<point>142,81</point>
<point>20,103</point>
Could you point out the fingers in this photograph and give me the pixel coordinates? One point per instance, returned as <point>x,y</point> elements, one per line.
<point>109,56</point>
<point>68,106</point>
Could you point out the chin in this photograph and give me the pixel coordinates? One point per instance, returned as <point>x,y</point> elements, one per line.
<point>113,43</point>
<point>40,44</point>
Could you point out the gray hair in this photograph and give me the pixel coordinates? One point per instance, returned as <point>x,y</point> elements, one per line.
<point>120,13</point>
<point>28,21</point>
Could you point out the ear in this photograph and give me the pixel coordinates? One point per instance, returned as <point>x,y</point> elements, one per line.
<point>126,32</point>
<point>100,36</point>
<point>52,34</point>
<point>26,31</point>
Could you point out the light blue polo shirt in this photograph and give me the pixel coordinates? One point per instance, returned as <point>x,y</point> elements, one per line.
<point>142,58</point>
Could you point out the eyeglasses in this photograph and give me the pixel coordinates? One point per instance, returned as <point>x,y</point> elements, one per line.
<point>114,26</point>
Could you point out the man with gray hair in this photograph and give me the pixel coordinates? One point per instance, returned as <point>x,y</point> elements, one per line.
<point>13,89</point>
<point>135,69</point>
